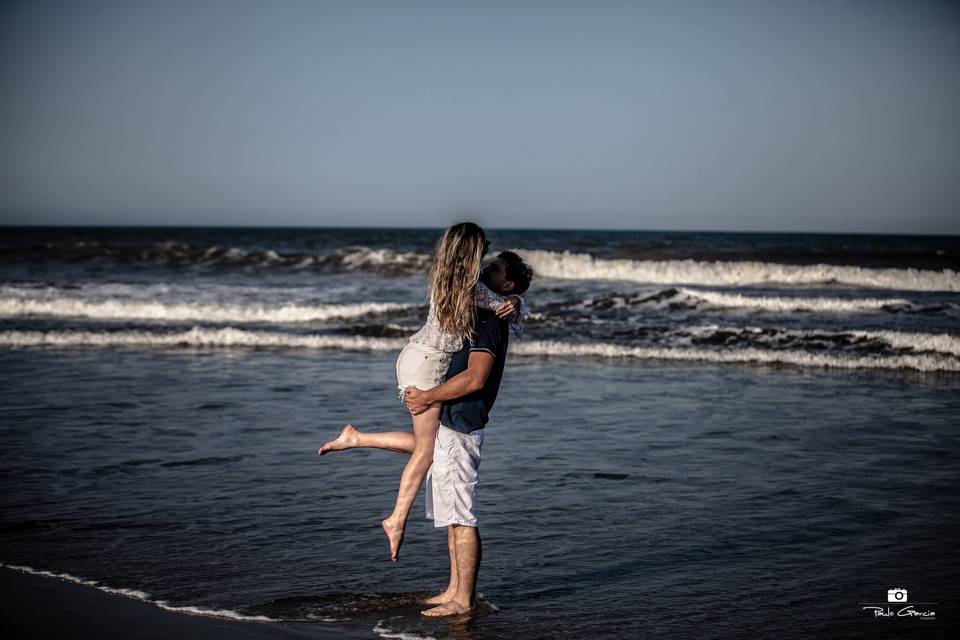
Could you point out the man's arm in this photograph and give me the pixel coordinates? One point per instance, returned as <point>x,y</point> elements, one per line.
<point>462,384</point>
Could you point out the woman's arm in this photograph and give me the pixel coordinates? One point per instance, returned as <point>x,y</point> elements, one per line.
<point>486,298</point>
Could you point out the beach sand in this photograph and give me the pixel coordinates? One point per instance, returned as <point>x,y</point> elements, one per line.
<point>42,607</point>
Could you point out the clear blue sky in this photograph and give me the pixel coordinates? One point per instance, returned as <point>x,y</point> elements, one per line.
<point>807,115</point>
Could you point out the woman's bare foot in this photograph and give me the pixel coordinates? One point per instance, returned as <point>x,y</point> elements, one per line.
<point>440,598</point>
<point>395,536</point>
<point>346,440</point>
<point>452,608</point>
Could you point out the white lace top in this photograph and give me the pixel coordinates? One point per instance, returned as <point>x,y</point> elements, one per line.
<point>431,335</point>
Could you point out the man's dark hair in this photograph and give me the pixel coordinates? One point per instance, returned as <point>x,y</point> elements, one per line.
<point>518,271</point>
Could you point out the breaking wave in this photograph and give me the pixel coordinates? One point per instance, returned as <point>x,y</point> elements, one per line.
<point>786,304</point>
<point>843,350</point>
<point>941,344</point>
<point>118,309</point>
<point>580,266</point>
<point>548,264</point>
<point>184,254</point>
<point>706,298</point>
<point>19,301</point>
<point>925,363</point>
<point>196,337</point>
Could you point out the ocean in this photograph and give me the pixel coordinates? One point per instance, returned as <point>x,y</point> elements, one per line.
<point>699,435</point>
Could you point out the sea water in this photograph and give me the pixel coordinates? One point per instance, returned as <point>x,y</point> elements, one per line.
<point>699,435</point>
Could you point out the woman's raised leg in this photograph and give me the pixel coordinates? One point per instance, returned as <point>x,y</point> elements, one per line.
<point>350,438</point>
<point>425,427</point>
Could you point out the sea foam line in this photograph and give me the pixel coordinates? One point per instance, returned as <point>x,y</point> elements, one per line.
<point>940,343</point>
<point>141,595</point>
<point>144,310</point>
<point>172,252</point>
<point>786,304</point>
<point>149,292</point>
<point>946,346</point>
<point>921,362</point>
<point>386,632</point>
<point>197,337</point>
<point>582,266</point>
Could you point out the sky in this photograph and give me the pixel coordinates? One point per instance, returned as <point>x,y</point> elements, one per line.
<point>774,115</point>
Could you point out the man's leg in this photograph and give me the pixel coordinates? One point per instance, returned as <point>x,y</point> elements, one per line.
<point>468,551</point>
<point>447,595</point>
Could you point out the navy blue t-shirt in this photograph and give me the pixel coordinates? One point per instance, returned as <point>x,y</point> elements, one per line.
<point>470,412</point>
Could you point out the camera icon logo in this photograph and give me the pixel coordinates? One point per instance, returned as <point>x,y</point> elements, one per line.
<point>898,594</point>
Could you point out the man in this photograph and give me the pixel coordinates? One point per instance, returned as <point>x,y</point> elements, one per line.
<point>473,381</point>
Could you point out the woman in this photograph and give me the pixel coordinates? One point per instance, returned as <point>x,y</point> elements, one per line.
<point>454,290</point>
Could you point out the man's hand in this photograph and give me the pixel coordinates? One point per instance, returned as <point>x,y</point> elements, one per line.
<point>509,309</point>
<point>460,385</point>
<point>417,400</point>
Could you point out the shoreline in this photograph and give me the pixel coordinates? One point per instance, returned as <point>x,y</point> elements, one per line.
<point>41,606</point>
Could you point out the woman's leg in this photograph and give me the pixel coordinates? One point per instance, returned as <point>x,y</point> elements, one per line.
<point>350,438</point>
<point>425,427</point>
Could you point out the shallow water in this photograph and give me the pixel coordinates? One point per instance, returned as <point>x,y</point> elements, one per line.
<point>684,501</point>
<point>699,436</point>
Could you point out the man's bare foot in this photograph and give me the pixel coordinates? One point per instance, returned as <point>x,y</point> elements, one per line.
<point>394,536</point>
<point>346,440</point>
<point>452,608</point>
<point>440,598</point>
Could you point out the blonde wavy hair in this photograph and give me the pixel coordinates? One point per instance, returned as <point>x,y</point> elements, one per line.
<point>454,274</point>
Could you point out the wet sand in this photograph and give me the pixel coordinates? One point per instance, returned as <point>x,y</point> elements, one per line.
<point>42,607</point>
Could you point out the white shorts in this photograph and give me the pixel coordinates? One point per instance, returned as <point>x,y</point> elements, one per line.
<point>453,476</point>
<point>420,366</point>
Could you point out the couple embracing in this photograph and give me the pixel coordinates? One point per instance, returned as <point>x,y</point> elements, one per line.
<point>448,375</point>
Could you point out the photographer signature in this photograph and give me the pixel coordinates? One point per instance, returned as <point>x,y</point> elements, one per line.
<point>906,612</point>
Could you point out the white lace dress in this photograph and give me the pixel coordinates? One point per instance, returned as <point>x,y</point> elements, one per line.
<point>424,361</point>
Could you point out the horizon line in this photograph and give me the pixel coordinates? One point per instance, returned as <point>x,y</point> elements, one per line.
<point>491,227</point>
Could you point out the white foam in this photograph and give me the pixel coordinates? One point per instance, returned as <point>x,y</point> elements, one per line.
<point>151,291</point>
<point>483,600</point>
<point>115,309</point>
<point>920,362</point>
<point>581,266</point>
<point>386,632</point>
<point>141,595</point>
<point>214,613</point>
<point>197,337</point>
<point>365,257</point>
<point>787,304</point>
<point>946,347</point>
<point>938,343</point>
